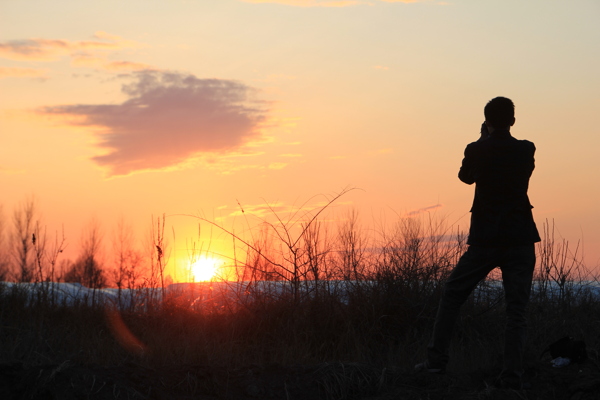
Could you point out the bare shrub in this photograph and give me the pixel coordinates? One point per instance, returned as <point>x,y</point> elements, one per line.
<point>296,247</point>
<point>47,253</point>
<point>4,256</point>
<point>24,219</point>
<point>420,252</point>
<point>127,259</point>
<point>88,269</point>
<point>560,268</point>
<point>256,266</point>
<point>366,328</point>
<point>159,253</point>
<point>351,257</point>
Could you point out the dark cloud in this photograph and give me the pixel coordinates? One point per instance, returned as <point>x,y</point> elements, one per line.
<point>168,118</point>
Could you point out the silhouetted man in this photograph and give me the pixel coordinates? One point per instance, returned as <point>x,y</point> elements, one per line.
<point>502,234</point>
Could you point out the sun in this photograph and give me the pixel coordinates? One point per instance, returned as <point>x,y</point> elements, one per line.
<point>204,268</point>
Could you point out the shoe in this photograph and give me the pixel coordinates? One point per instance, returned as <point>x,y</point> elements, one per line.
<point>425,367</point>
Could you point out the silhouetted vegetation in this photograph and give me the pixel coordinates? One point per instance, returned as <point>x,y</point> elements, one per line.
<point>345,315</point>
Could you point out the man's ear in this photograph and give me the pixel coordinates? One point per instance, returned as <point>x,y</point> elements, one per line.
<point>514,120</point>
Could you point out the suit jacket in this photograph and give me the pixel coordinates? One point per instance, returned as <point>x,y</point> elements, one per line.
<point>500,166</point>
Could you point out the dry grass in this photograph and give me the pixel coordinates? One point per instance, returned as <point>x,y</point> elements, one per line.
<point>357,343</point>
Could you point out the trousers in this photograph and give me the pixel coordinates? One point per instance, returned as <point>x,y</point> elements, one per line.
<point>517,264</point>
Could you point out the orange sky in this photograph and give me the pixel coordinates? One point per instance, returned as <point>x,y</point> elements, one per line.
<point>132,109</point>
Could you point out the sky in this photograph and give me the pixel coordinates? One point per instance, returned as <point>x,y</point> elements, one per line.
<point>113,110</point>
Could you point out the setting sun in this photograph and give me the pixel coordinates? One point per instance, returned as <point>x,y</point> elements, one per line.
<point>204,268</point>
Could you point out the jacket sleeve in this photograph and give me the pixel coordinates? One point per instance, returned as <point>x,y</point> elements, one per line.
<point>532,149</point>
<point>466,172</point>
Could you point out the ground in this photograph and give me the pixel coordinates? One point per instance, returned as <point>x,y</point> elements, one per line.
<point>326,381</point>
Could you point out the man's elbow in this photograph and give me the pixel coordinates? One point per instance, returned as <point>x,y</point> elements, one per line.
<point>466,178</point>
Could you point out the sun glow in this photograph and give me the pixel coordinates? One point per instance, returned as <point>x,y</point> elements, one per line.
<point>204,268</point>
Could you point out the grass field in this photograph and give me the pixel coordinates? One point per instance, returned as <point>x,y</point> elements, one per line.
<point>306,341</point>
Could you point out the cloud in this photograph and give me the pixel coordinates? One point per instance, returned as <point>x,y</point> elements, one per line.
<point>87,60</point>
<point>423,210</point>
<point>277,165</point>
<point>236,161</point>
<point>52,49</point>
<point>286,212</point>
<point>262,210</point>
<point>309,3</point>
<point>381,151</point>
<point>169,118</point>
<point>325,3</point>
<point>86,54</point>
<point>33,49</point>
<point>126,66</point>
<point>7,72</point>
<point>290,155</point>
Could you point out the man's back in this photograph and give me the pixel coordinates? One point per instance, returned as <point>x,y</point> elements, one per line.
<point>502,235</point>
<point>500,166</point>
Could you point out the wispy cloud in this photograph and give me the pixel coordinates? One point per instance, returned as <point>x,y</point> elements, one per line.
<point>290,155</point>
<point>424,210</point>
<point>168,118</point>
<point>327,3</point>
<point>286,212</point>
<point>87,60</point>
<point>244,160</point>
<point>83,54</point>
<point>309,3</point>
<point>381,151</point>
<point>7,72</point>
<point>52,49</point>
<point>262,210</point>
<point>120,66</point>
<point>277,165</point>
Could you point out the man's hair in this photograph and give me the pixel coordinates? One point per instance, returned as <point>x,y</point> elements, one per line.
<point>499,112</point>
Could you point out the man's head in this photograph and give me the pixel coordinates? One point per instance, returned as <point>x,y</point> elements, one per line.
<point>499,113</point>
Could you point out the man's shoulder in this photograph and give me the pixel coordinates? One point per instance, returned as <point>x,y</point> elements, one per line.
<point>526,144</point>
<point>474,145</point>
<point>480,144</point>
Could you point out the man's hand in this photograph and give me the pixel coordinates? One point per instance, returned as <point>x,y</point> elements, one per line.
<point>484,132</point>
